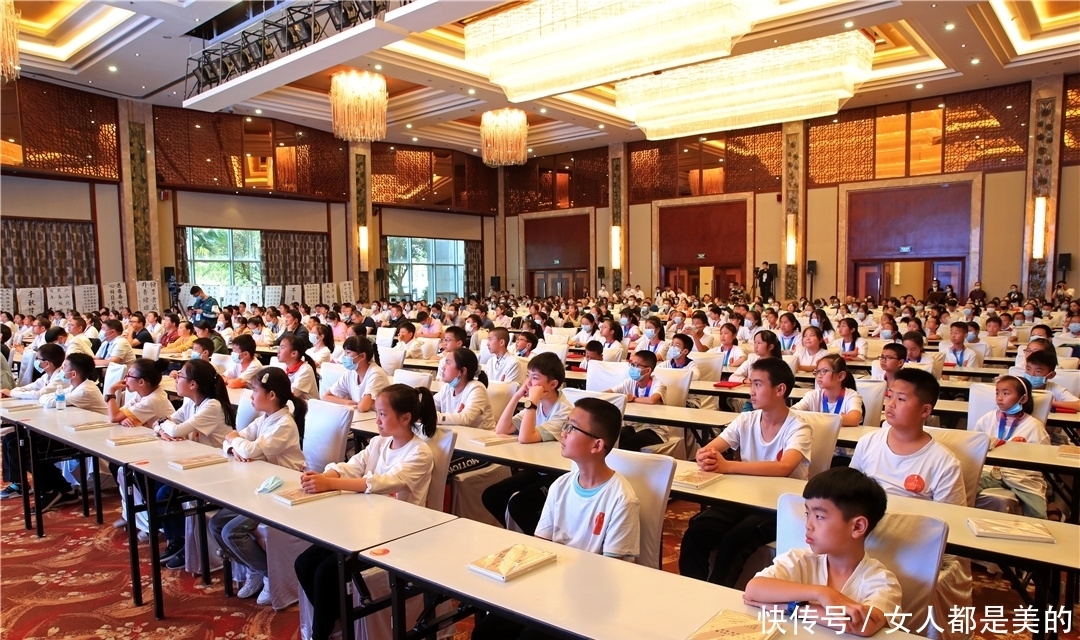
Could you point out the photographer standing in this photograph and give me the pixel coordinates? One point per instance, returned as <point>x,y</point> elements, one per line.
<point>765,280</point>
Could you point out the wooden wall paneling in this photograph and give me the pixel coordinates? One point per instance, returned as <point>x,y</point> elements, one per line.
<point>933,221</point>
<point>555,239</point>
<point>717,230</point>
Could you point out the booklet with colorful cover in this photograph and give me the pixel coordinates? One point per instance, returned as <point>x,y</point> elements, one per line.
<point>299,496</point>
<point>512,562</point>
<point>695,478</point>
<point>194,462</point>
<point>1009,530</point>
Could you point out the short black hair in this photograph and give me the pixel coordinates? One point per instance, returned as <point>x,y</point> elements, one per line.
<point>853,492</point>
<point>605,420</point>
<point>778,372</point>
<point>54,333</point>
<point>915,337</point>
<point>595,346</point>
<point>531,338</point>
<point>898,350</point>
<point>245,343</point>
<point>206,343</point>
<point>1046,358</point>
<point>52,353</point>
<point>83,364</point>
<point>548,365</point>
<point>647,357</point>
<point>926,385</point>
<point>458,333</point>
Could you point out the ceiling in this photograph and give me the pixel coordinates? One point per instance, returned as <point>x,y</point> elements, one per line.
<point>140,50</point>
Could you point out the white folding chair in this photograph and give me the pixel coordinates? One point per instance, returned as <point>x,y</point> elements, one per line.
<point>824,429</point>
<point>390,359</point>
<point>384,336</point>
<point>329,374</point>
<point>970,449</point>
<point>619,400</point>
<point>469,486</point>
<point>909,545</point>
<point>556,338</point>
<point>499,393</point>
<point>151,351</point>
<point>997,344</point>
<point>485,353</point>
<point>114,373</point>
<point>676,383</point>
<point>982,349</point>
<point>220,361</point>
<point>709,365</point>
<point>414,379</point>
<point>874,347</point>
<point>1068,378</point>
<point>429,347</point>
<point>548,347</point>
<point>1023,333</point>
<point>873,399</point>
<point>650,476</point>
<point>792,362</point>
<point>603,375</point>
<point>245,411</point>
<point>613,354</point>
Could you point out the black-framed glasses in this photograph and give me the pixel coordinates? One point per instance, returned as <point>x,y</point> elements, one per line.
<point>885,358</point>
<point>821,372</point>
<point>183,378</point>
<point>131,377</point>
<point>567,428</point>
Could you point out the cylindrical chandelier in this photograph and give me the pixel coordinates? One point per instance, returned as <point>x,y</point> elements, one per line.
<point>504,135</point>
<point>9,41</point>
<point>358,105</point>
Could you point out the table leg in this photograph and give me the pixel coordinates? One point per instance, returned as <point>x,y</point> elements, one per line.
<point>83,485</point>
<point>200,519</point>
<point>133,536</point>
<point>397,606</point>
<point>345,602</point>
<point>97,492</point>
<point>23,439</point>
<point>34,463</point>
<point>155,552</point>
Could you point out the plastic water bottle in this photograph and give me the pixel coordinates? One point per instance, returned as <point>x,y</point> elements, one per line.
<point>61,399</point>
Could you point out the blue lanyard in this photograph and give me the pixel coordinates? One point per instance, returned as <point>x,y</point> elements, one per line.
<point>648,390</point>
<point>843,346</point>
<point>787,344</point>
<point>653,347</point>
<point>825,403</point>
<point>678,366</point>
<point>959,357</point>
<point>1007,435</point>
<point>727,356</point>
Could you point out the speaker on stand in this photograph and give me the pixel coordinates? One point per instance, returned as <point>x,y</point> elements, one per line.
<point>811,270</point>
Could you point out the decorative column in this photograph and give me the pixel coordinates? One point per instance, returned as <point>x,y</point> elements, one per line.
<point>1040,205</point>
<point>500,233</point>
<point>794,198</point>
<point>618,190</point>
<point>138,185</point>
<point>362,231</point>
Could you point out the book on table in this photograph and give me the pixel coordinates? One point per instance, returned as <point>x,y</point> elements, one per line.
<point>20,406</point>
<point>734,625</point>
<point>194,462</point>
<point>695,478</point>
<point>1009,530</point>
<point>512,562</point>
<point>726,384</point>
<point>117,441</point>
<point>299,496</point>
<point>494,439</point>
<point>87,426</point>
<point>1069,450</point>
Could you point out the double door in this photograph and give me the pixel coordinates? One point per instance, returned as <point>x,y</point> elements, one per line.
<point>878,279</point>
<point>568,284</point>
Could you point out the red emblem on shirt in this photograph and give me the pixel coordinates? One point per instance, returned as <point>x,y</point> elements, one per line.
<point>914,483</point>
<point>598,527</point>
<point>1019,439</point>
<point>780,455</point>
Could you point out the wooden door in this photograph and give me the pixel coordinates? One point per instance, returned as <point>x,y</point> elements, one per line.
<point>950,272</point>
<point>722,279</point>
<point>868,277</point>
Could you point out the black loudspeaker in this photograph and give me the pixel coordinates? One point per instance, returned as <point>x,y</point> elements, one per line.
<point>773,270</point>
<point>1064,262</point>
<point>170,273</point>
<point>811,267</point>
<point>601,273</point>
<point>380,275</point>
<point>496,283</point>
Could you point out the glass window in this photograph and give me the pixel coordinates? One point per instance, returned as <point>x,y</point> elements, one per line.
<point>926,136</point>
<point>425,268</point>
<point>224,256</point>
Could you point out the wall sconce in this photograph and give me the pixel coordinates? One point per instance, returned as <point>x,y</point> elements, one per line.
<point>1038,237</point>
<point>616,247</point>
<point>791,244</point>
<point>363,243</point>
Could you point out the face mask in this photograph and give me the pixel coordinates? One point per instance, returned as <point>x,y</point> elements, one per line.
<point>674,353</point>
<point>1028,313</point>
<point>886,334</point>
<point>470,327</point>
<point>860,315</point>
<point>1013,410</point>
<point>678,321</point>
<point>967,312</point>
<point>257,332</point>
<point>748,323</point>
<point>349,363</point>
<point>63,379</point>
<point>1074,327</point>
<point>814,322</point>
<point>1037,382</point>
<point>236,357</point>
<point>196,355</point>
<point>220,326</point>
<point>635,374</point>
<point>971,336</point>
<point>852,308</point>
<point>1018,321</point>
<point>586,327</point>
<point>236,325</point>
<point>38,367</point>
<point>521,353</point>
<point>453,383</point>
<point>624,321</point>
<point>650,333</point>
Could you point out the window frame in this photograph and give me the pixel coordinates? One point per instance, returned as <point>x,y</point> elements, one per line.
<point>230,259</point>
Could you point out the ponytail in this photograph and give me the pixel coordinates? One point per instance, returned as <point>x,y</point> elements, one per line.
<point>466,359</point>
<point>275,380</point>
<point>418,403</point>
<point>302,344</point>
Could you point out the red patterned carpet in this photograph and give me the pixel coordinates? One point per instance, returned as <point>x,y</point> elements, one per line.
<point>73,584</point>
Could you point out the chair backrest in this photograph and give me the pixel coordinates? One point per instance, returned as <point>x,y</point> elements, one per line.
<point>981,348</point>
<point>556,338</point>
<point>390,359</point>
<point>151,351</point>
<point>384,336</point>
<point>1063,352</point>
<point>428,347</point>
<point>326,434</point>
<point>485,353</point>
<point>613,354</point>
<point>1070,379</point>
<point>874,347</point>
<point>558,349</point>
<point>329,374</point>
<point>569,332</point>
<point>220,361</point>
<point>924,366</point>
<point>709,365</point>
<point>970,448</point>
<point>998,345</point>
<point>1068,363</point>
<point>95,344</point>
<point>937,362</point>
<point>650,476</point>
<point>442,450</point>
<point>676,383</point>
<point>825,428</point>
<point>602,375</point>
<point>982,393</point>
<point>1023,333</point>
<point>113,374</point>
<point>274,362</point>
<point>245,411</point>
<point>499,394</point>
<point>909,545</point>
<point>414,379</point>
<point>873,399</point>
<point>792,362</point>
<point>26,367</point>
<point>573,395</point>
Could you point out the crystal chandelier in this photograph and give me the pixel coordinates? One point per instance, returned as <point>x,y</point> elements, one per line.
<point>358,105</point>
<point>793,82</point>
<point>504,137</point>
<point>9,41</point>
<point>547,47</point>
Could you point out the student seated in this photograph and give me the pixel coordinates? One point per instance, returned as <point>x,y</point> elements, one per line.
<point>145,402</point>
<point>464,400</point>
<point>242,368</point>
<point>771,441</point>
<point>889,362</point>
<point>49,360</point>
<point>641,387</point>
<point>789,330</point>
<point>322,344</point>
<point>766,345</point>
<point>594,350</point>
<point>728,347</point>
<point>652,338</point>
<point>545,410</point>
<point>811,350</point>
<point>843,507</point>
<point>1070,335</point>
<point>407,341</point>
<point>185,337</point>
<point>1013,422</point>
<point>1039,370</point>
<point>293,358</point>
<point>363,379</point>
<point>525,343</point>
<point>114,347</point>
<point>957,352</point>
<point>503,366</point>
<point>913,342</point>
<point>587,333</point>
<point>835,392</point>
<point>593,508</point>
<point>397,462</point>
<point>453,338</point>
<point>852,346</point>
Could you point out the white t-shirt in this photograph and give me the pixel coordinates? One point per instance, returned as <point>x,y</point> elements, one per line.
<point>413,349</point>
<point>730,356</point>
<point>871,583</point>
<point>656,388</point>
<point>743,372</point>
<point>274,438</point>
<point>605,519</point>
<point>1028,428</point>
<point>931,473</point>
<point>966,358</point>
<point>353,387</point>
<point>302,380</point>
<point>807,359</point>
<point>505,369</point>
<point>660,348</point>
<point>403,473</point>
<point>146,410</point>
<point>235,370</point>
<point>744,434</point>
<point>319,355</point>
<point>470,408</point>
<point>858,345</point>
<point>816,401</point>
<point>789,344</point>
<point>203,423</point>
<point>549,424</point>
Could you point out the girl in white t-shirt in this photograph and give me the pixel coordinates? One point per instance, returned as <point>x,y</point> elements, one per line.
<point>820,319</point>
<point>145,402</point>
<point>766,345</point>
<point>1013,422</point>
<point>464,400</point>
<point>811,350</point>
<point>652,339</point>
<point>587,333</point>
<point>852,345</point>
<point>363,379</point>
<point>293,358</point>
<point>751,326</point>
<point>397,462</point>
<point>322,344</point>
<point>835,392</point>
<point>789,333</point>
<point>733,354</point>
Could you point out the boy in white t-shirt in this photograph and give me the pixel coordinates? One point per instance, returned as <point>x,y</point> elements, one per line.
<point>641,387</point>
<point>771,441</point>
<point>842,507</point>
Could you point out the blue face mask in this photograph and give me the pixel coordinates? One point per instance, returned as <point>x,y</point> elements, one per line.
<point>1074,327</point>
<point>624,321</point>
<point>1028,313</point>
<point>814,322</point>
<point>196,355</point>
<point>1037,382</point>
<point>236,357</point>
<point>453,383</point>
<point>650,333</point>
<point>967,312</point>
<point>349,363</point>
<point>886,334</point>
<point>38,367</point>
<point>63,379</point>
<point>748,323</point>
<point>971,336</point>
<point>521,353</point>
<point>1015,409</point>
<point>586,327</point>
<point>635,374</point>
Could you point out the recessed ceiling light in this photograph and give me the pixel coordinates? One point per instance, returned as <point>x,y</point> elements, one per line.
<point>686,151</point>
<point>949,26</point>
<point>775,41</point>
<point>198,126</point>
<point>601,126</point>
<point>378,67</point>
<point>92,82</point>
<point>248,118</point>
<point>836,119</point>
<point>849,24</point>
<point>408,126</point>
<point>415,139</point>
<point>144,86</point>
<point>11,139</point>
<point>281,144</point>
<point>543,110</point>
<point>196,19</point>
<point>174,93</point>
<point>1008,106</point>
<point>919,86</point>
<point>472,92</point>
<point>474,150</point>
<point>974,61</point>
<point>963,46</point>
<point>112,68</point>
<point>258,111</point>
<point>530,150</point>
<point>248,154</point>
<point>941,105</point>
